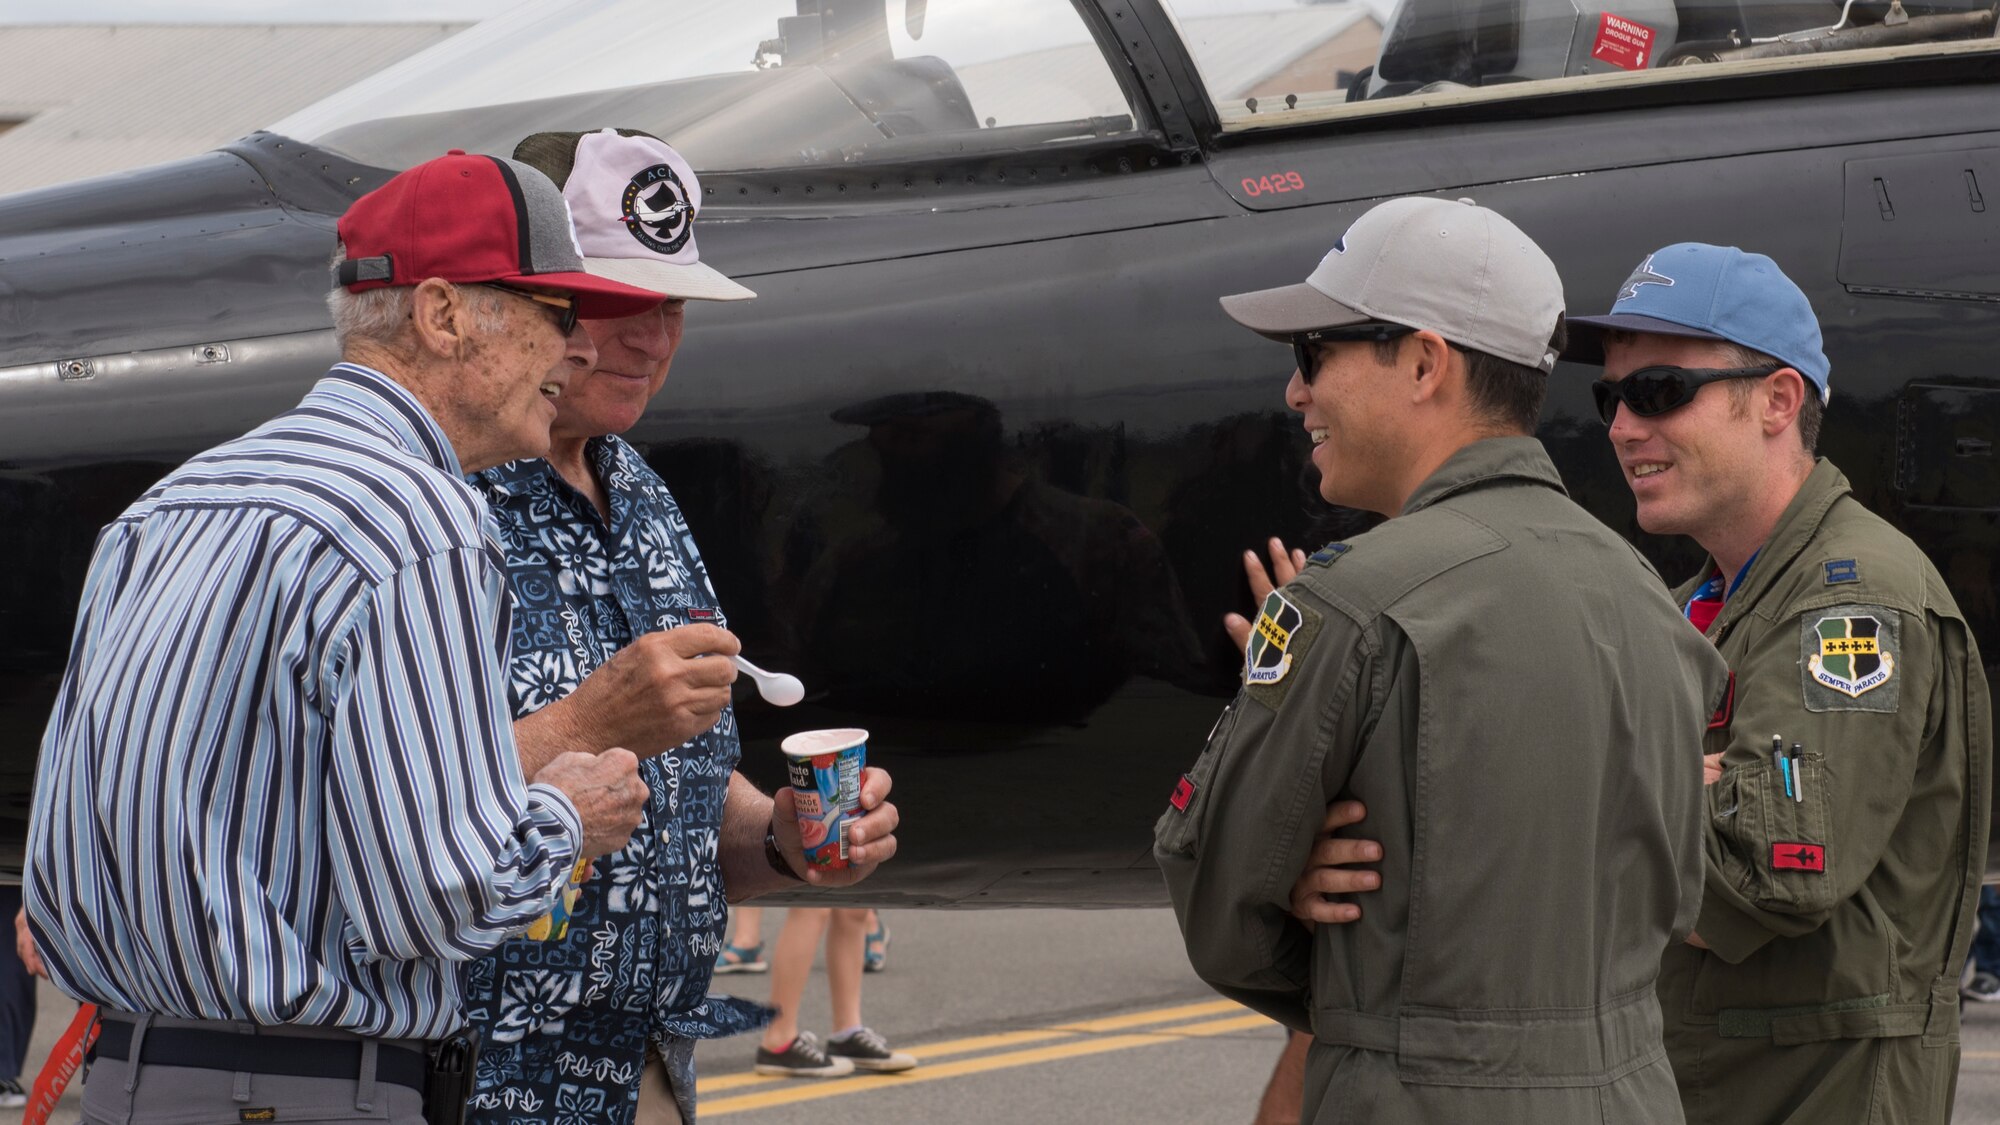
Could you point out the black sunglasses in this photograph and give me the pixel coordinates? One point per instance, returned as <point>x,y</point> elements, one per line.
<point>566,317</point>
<point>1305,344</point>
<point>1652,391</point>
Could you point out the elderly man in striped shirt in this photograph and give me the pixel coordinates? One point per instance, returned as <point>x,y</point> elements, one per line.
<point>279,797</point>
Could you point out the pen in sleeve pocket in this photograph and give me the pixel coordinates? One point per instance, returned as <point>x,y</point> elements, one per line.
<point>1778,760</point>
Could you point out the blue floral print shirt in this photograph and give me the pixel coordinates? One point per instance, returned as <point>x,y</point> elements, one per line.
<point>566,1023</point>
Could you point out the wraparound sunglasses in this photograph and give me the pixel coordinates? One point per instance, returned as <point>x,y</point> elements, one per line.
<point>1652,391</point>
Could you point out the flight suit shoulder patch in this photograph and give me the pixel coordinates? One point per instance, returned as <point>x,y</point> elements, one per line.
<point>1847,656</point>
<point>1840,571</point>
<point>1284,630</point>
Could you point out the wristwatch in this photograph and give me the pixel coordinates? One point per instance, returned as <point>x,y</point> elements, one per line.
<point>776,858</point>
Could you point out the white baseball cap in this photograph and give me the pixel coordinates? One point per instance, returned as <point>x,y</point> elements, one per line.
<point>634,201</point>
<point>1450,267</point>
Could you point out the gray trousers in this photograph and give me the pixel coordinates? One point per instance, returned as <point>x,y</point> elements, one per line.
<point>116,1092</point>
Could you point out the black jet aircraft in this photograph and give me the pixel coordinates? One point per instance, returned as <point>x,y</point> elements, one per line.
<point>979,463</point>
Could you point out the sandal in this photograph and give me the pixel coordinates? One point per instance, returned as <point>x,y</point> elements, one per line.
<point>742,959</point>
<point>875,947</point>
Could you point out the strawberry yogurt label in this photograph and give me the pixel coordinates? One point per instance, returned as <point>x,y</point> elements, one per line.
<point>825,767</point>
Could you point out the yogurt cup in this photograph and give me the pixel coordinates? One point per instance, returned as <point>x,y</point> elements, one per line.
<point>826,784</point>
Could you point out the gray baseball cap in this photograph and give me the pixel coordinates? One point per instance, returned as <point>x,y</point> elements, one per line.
<point>1451,267</point>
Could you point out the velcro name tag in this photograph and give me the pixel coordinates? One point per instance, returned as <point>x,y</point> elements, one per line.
<point>1790,855</point>
<point>262,1113</point>
<point>1183,794</point>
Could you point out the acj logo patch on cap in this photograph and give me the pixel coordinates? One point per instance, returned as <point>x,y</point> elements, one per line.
<point>656,209</point>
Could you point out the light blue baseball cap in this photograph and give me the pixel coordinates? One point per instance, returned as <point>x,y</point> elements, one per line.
<point>1714,293</point>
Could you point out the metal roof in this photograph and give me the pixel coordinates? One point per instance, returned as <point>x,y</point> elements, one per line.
<point>92,99</point>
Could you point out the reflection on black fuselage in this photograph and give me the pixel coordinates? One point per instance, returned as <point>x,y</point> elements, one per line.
<point>984,574</point>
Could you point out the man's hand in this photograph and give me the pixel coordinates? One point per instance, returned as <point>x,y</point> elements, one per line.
<point>1711,768</point>
<point>1285,566</point>
<point>1327,871</point>
<point>651,696</point>
<point>24,945</point>
<point>871,839</point>
<point>607,792</point>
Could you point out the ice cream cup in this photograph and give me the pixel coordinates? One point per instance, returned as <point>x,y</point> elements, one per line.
<point>554,925</point>
<point>826,784</point>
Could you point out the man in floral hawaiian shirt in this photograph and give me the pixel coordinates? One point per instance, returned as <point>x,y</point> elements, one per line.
<point>618,640</point>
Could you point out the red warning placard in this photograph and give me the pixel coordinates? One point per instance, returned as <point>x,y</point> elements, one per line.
<point>1622,43</point>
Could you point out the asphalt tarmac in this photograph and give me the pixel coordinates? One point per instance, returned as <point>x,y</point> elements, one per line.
<point>1049,1016</point>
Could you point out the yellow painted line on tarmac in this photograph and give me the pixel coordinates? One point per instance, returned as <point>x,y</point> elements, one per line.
<point>1159,1015</point>
<point>1979,1054</point>
<point>832,1088</point>
<point>1005,1039</point>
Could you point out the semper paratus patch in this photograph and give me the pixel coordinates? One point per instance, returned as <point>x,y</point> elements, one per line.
<point>1848,657</point>
<point>1279,637</point>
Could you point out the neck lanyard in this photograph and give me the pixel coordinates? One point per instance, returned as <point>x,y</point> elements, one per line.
<point>1713,591</point>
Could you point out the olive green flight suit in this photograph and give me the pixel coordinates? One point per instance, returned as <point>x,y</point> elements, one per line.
<point>1508,687</point>
<point>1838,915</point>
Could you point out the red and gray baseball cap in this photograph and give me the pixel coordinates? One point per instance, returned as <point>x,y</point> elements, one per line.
<point>635,201</point>
<point>471,219</point>
<point>1450,267</point>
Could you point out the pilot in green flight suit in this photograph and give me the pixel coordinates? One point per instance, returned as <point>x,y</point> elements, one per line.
<point>1501,679</point>
<point>1846,832</point>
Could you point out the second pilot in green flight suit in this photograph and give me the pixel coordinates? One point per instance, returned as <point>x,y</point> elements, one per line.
<point>1846,825</point>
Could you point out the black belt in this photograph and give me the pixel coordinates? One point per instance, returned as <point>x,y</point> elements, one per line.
<point>296,1056</point>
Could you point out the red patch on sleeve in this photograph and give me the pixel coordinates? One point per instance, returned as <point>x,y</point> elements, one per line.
<point>1723,713</point>
<point>1183,794</point>
<point>1792,856</point>
<point>1623,43</point>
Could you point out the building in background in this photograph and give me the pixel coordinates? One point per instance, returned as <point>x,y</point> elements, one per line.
<point>84,100</point>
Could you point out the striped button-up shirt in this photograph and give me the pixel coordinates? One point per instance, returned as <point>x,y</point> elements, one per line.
<point>279,784</point>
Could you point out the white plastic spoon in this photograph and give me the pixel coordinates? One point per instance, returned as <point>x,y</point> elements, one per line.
<point>777,688</point>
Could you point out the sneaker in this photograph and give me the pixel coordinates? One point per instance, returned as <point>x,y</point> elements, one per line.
<point>875,947</point>
<point>742,959</point>
<point>803,1059</point>
<point>1982,986</point>
<point>11,1094</point>
<point>869,1051</point>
